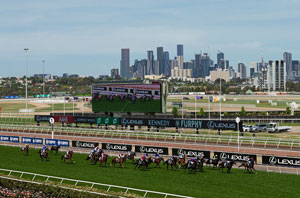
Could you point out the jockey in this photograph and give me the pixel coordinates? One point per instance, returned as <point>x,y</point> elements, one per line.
<point>130,153</point>
<point>143,158</point>
<point>215,157</point>
<point>156,156</point>
<point>181,156</point>
<point>68,152</point>
<point>121,155</point>
<point>45,148</point>
<point>92,152</point>
<point>102,156</point>
<point>249,161</point>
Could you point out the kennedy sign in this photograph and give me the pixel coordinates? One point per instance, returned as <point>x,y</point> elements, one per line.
<point>82,144</point>
<point>235,156</point>
<point>116,147</point>
<point>152,150</point>
<point>281,161</point>
<point>190,152</point>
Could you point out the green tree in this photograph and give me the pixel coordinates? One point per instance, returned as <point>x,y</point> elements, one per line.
<point>288,111</point>
<point>175,111</point>
<point>243,111</point>
<point>201,113</point>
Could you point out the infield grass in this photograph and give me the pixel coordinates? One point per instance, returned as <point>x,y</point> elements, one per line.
<point>210,183</point>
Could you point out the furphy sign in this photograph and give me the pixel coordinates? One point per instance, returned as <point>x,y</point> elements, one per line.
<point>116,147</point>
<point>281,161</point>
<point>235,156</point>
<point>190,152</point>
<point>152,150</point>
<point>82,144</point>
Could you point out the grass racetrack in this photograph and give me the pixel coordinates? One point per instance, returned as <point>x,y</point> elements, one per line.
<point>210,183</point>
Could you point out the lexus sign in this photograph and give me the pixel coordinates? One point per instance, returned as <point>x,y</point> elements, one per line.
<point>281,161</point>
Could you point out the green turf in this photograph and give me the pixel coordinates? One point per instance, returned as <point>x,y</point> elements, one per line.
<point>14,107</point>
<point>210,183</point>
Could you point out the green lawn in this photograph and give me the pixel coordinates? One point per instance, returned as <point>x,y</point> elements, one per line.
<point>210,183</point>
<point>58,107</point>
<point>14,107</point>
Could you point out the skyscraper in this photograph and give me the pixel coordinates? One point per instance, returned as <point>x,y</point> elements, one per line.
<point>160,58</point>
<point>220,60</point>
<point>277,75</point>
<point>242,71</point>
<point>287,58</point>
<point>197,66</point>
<point>150,62</point>
<point>167,68</point>
<point>180,50</point>
<point>124,63</point>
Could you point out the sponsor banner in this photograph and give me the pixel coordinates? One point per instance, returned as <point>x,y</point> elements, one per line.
<point>152,150</point>
<point>106,120</point>
<point>281,161</point>
<point>65,119</point>
<point>190,152</point>
<point>9,138</point>
<point>116,147</point>
<point>82,144</point>
<point>235,156</point>
<point>84,119</point>
<point>29,140</point>
<point>55,142</point>
<point>42,118</point>
<point>133,121</point>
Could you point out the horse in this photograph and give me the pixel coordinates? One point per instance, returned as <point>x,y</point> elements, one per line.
<point>55,148</point>
<point>157,161</point>
<point>145,163</point>
<point>181,161</point>
<point>227,164</point>
<point>25,149</point>
<point>118,160</point>
<point>191,165</point>
<point>95,156</point>
<point>130,156</point>
<point>248,166</point>
<point>171,162</point>
<point>43,155</point>
<point>67,157</point>
<point>200,162</point>
<point>103,159</point>
<point>212,161</point>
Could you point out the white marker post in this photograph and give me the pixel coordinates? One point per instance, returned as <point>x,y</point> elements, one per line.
<point>237,120</point>
<point>51,120</point>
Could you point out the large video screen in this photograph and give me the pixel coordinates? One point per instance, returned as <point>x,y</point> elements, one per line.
<point>127,98</point>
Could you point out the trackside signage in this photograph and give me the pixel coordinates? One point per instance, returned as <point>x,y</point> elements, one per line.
<point>116,147</point>
<point>82,144</point>
<point>29,140</point>
<point>9,138</point>
<point>55,142</point>
<point>64,119</point>
<point>152,150</point>
<point>42,118</point>
<point>84,119</point>
<point>281,161</point>
<point>190,152</point>
<point>106,120</point>
<point>235,156</point>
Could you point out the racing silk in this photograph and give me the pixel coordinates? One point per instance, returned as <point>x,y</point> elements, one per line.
<point>156,156</point>
<point>181,156</point>
<point>143,157</point>
<point>68,152</point>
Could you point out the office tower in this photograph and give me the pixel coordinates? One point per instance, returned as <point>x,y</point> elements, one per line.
<point>150,62</point>
<point>276,73</point>
<point>220,60</point>
<point>226,64</point>
<point>166,65</point>
<point>124,63</point>
<point>242,71</point>
<point>114,73</point>
<point>197,66</point>
<point>253,68</point>
<point>296,68</point>
<point>287,58</point>
<point>160,58</point>
<point>180,50</point>
<point>180,61</point>
<point>205,65</point>
<point>156,67</point>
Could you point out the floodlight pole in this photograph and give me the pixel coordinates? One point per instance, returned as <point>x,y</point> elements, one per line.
<point>43,61</point>
<point>220,99</point>
<point>26,50</point>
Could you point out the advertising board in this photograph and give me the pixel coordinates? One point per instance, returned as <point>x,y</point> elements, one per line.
<point>64,119</point>
<point>126,98</point>
<point>30,140</point>
<point>56,142</point>
<point>281,161</point>
<point>191,152</point>
<point>235,156</point>
<point>116,147</point>
<point>82,144</point>
<point>42,118</point>
<point>106,121</point>
<point>83,119</point>
<point>9,138</point>
<point>152,150</point>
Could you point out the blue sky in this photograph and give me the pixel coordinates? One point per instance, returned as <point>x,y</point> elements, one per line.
<point>85,36</point>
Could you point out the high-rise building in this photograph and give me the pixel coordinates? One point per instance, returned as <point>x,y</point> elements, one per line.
<point>242,71</point>
<point>156,67</point>
<point>124,63</point>
<point>114,73</point>
<point>150,62</point>
<point>180,50</point>
<point>180,61</point>
<point>253,68</point>
<point>197,66</point>
<point>276,75</point>
<point>160,58</point>
<point>220,60</point>
<point>287,58</point>
<point>166,65</point>
<point>296,67</point>
<point>205,65</point>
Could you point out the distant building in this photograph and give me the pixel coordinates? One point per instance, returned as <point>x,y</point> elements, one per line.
<point>242,71</point>
<point>253,68</point>
<point>220,74</point>
<point>124,63</point>
<point>180,61</point>
<point>180,50</point>
<point>276,75</point>
<point>74,76</point>
<point>65,75</point>
<point>296,68</point>
<point>167,66</point>
<point>181,73</point>
<point>160,59</point>
<point>287,58</point>
<point>150,62</point>
<point>103,77</point>
<point>114,73</point>
<point>220,60</point>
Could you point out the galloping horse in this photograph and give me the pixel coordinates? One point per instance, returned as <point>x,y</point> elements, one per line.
<point>118,160</point>
<point>43,155</point>
<point>212,161</point>
<point>103,159</point>
<point>227,164</point>
<point>200,162</point>
<point>55,148</point>
<point>25,149</point>
<point>130,156</point>
<point>67,156</point>
<point>248,166</point>
<point>95,156</point>
<point>171,162</point>
<point>191,165</point>
<point>145,163</point>
<point>158,160</point>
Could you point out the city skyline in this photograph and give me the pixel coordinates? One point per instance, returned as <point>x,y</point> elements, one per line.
<point>86,37</point>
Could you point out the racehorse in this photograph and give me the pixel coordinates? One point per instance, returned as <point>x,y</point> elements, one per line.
<point>171,162</point>
<point>191,166</point>
<point>157,161</point>
<point>227,164</point>
<point>248,166</point>
<point>200,162</point>
<point>95,156</point>
<point>130,156</point>
<point>55,148</point>
<point>212,161</point>
<point>25,149</point>
<point>145,163</point>
<point>43,155</point>
<point>118,160</point>
<point>181,161</point>
<point>67,157</point>
<point>103,159</point>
